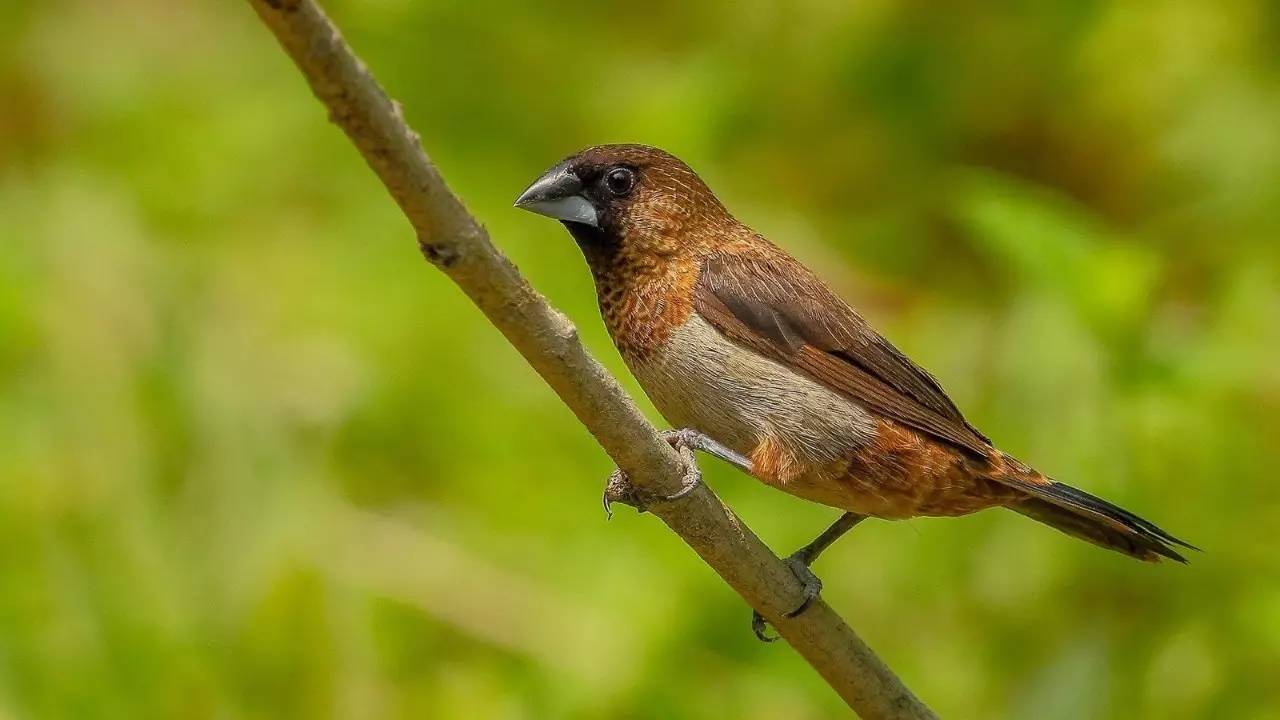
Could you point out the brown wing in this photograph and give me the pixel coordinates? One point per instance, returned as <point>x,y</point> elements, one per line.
<point>775,306</point>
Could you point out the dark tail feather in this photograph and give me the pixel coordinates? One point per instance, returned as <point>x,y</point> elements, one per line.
<point>1131,541</point>
<point>1079,514</point>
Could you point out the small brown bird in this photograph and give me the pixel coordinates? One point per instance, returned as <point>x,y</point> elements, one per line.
<point>761,363</point>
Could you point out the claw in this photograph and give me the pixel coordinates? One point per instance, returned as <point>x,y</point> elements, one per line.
<point>812,583</point>
<point>619,489</point>
<point>812,588</point>
<point>760,627</point>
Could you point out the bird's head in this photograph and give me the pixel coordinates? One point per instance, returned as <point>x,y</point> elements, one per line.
<point>630,200</point>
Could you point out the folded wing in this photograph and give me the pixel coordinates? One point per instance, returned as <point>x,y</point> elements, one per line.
<point>773,305</point>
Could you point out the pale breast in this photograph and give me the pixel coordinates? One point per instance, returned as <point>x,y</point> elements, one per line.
<point>699,379</point>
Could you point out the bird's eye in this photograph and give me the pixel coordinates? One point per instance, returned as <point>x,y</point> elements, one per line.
<point>620,180</point>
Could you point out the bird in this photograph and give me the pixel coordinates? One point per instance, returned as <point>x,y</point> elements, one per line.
<point>755,359</point>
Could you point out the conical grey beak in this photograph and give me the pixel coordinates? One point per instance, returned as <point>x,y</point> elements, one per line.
<point>558,194</point>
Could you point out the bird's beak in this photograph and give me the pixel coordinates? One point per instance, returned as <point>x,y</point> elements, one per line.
<point>558,194</point>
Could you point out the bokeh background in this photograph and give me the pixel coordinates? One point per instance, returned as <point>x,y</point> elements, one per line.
<point>259,460</point>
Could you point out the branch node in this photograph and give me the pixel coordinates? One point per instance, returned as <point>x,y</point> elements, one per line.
<point>442,255</point>
<point>567,332</point>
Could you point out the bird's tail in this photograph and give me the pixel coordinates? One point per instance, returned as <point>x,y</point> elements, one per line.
<point>1087,517</point>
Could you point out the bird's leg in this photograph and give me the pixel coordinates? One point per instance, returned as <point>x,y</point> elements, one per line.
<point>619,488</point>
<point>695,440</point>
<point>799,562</point>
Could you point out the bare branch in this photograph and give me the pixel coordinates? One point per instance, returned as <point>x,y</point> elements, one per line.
<point>456,243</point>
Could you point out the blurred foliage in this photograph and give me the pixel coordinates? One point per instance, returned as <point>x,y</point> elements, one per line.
<point>258,460</point>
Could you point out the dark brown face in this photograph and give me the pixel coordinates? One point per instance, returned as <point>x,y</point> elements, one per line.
<point>630,199</point>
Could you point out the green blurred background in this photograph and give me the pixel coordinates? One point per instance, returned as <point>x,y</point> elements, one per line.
<point>258,460</point>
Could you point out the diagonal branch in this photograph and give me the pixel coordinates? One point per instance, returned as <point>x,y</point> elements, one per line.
<point>456,244</point>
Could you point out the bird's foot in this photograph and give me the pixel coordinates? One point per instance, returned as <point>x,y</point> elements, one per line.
<point>618,488</point>
<point>811,589</point>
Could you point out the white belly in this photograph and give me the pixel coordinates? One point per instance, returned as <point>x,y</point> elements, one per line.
<point>703,381</point>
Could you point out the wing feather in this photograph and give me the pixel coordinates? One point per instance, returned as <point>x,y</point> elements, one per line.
<point>777,307</point>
